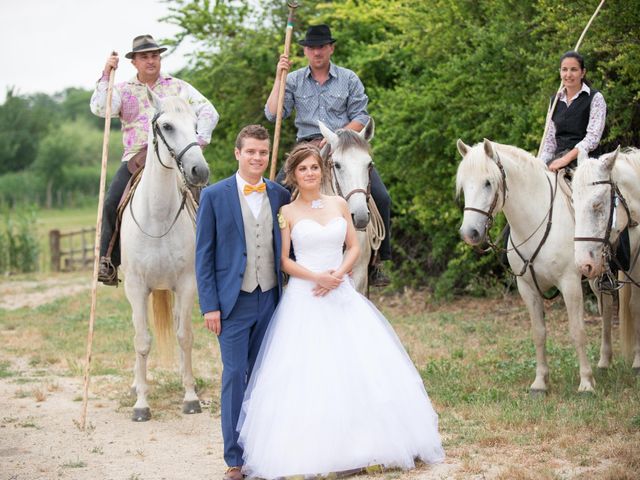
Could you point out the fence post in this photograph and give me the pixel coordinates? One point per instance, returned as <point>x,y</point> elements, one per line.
<point>54,247</point>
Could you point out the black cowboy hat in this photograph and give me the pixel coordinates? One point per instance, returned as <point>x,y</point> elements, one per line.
<point>144,43</point>
<point>317,35</point>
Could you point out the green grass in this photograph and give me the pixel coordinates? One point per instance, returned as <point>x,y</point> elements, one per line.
<point>476,358</point>
<point>65,220</point>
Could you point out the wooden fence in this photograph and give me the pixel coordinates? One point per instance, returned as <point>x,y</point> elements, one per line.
<point>71,250</point>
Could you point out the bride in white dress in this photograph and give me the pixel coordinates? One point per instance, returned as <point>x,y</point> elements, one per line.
<point>333,390</point>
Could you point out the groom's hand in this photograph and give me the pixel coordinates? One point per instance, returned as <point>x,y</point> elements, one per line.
<point>212,322</point>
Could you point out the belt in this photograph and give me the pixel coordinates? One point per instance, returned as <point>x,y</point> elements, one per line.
<point>310,138</point>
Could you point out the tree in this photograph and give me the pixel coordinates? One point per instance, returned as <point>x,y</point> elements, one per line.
<point>434,71</point>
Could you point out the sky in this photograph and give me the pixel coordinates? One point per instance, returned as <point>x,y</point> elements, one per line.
<point>49,45</point>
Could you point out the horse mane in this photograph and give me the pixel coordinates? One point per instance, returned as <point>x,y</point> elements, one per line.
<point>177,105</point>
<point>631,155</point>
<point>348,138</point>
<point>476,163</point>
<point>591,166</point>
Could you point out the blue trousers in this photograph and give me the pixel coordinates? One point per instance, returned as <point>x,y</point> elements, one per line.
<point>240,340</point>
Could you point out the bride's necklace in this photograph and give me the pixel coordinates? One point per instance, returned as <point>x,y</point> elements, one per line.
<point>315,204</point>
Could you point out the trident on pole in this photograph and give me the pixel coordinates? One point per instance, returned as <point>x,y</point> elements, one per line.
<point>283,82</point>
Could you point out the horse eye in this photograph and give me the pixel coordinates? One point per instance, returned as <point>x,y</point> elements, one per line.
<point>487,184</point>
<point>167,126</point>
<point>337,165</point>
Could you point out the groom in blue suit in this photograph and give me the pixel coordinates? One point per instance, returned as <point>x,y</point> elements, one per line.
<point>238,247</point>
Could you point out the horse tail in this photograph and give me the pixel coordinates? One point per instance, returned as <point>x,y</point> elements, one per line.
<point>162,320</point>
<point>627,333</point>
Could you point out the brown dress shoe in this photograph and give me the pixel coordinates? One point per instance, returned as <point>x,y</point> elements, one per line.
<point>233,473</point>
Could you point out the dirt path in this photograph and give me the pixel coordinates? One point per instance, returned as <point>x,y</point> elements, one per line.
<point>40,439</point>
<point>40,410</point>
<point>33,293</point>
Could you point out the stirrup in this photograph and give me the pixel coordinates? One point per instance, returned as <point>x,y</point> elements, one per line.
<point>108,272</point>
<point>608,282</point>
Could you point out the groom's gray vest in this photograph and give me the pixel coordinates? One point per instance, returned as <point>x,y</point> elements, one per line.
<point>258,234</point>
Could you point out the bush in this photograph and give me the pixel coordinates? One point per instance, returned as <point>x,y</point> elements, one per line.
<point>18,242</point>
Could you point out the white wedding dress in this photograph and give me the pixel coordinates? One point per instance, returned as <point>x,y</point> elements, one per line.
<point>333,389</point>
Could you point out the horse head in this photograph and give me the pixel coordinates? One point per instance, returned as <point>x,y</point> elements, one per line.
<point>598,221</point>
<point>175,138</point>
<point>481,178</point>
<point>350,165</point>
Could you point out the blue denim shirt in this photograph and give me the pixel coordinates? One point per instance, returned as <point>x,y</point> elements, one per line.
<point>340,100</point>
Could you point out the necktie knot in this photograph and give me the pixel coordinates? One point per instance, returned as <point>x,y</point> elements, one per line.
<point>249,189</point>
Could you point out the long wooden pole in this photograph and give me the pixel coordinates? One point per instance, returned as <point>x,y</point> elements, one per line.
<point>552,107</point>
<point>96,249</point>
<point>283,85</point>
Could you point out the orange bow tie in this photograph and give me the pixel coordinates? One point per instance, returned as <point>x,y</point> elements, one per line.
<point>249,189</point>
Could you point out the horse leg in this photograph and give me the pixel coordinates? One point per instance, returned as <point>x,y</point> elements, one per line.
<point>535,307</point>
<point>361,267</point>
<point>572,294</point>
<point>605,307</point>
<point>138,297</point>
<point>635,325</point>
<point>183,305</point>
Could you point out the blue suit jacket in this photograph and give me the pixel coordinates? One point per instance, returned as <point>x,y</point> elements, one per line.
<point>221,252</point>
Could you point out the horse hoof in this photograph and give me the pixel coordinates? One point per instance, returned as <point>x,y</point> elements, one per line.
<point>141,414</point>
<point>192,406</point>
<point>537,393</point>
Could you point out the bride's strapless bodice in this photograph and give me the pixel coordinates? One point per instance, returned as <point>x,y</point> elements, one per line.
<point>318,247</point>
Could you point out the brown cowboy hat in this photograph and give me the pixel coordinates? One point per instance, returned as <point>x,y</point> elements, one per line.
<point>317,35</point>
<point>144,43</point>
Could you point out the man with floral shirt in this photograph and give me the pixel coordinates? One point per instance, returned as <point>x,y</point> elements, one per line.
<point>130,103</point>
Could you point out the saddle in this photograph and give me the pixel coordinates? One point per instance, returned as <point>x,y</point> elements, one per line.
<point>136,167</point>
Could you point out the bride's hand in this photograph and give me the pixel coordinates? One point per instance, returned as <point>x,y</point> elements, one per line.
<point>328,280</point>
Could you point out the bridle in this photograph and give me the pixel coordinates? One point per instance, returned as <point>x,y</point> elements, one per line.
<point>608,252</point>
<point>367,192</point>
<point>490,213</point>
<point>527,263</point>
<point>157,132</point>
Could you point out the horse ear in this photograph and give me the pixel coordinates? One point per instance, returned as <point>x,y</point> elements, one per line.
<point>488,149</point>
<point>609,159</point>
<point>368,130</point>
<point>329,136</point>
<point>153,98</point>
<point>463,148</point>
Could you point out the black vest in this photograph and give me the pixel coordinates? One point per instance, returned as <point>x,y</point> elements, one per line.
<point>571,122</point>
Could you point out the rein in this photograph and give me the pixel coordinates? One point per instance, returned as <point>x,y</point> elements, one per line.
<point>608,252</point>
<point>157,132</point>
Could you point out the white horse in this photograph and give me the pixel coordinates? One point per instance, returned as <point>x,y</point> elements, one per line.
<point>606,197</point>
<point>158,243</point>
<point>350,167</point>
<point>498,177</point>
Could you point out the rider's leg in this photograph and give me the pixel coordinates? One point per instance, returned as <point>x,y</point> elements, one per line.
<point>383,202</point>
<point>109,213</point>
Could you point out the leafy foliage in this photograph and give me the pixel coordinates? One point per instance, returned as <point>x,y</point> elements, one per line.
<point>434,71</point>
<point>18,242</point>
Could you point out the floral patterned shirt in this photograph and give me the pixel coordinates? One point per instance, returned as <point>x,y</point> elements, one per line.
<point>129,102</point>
